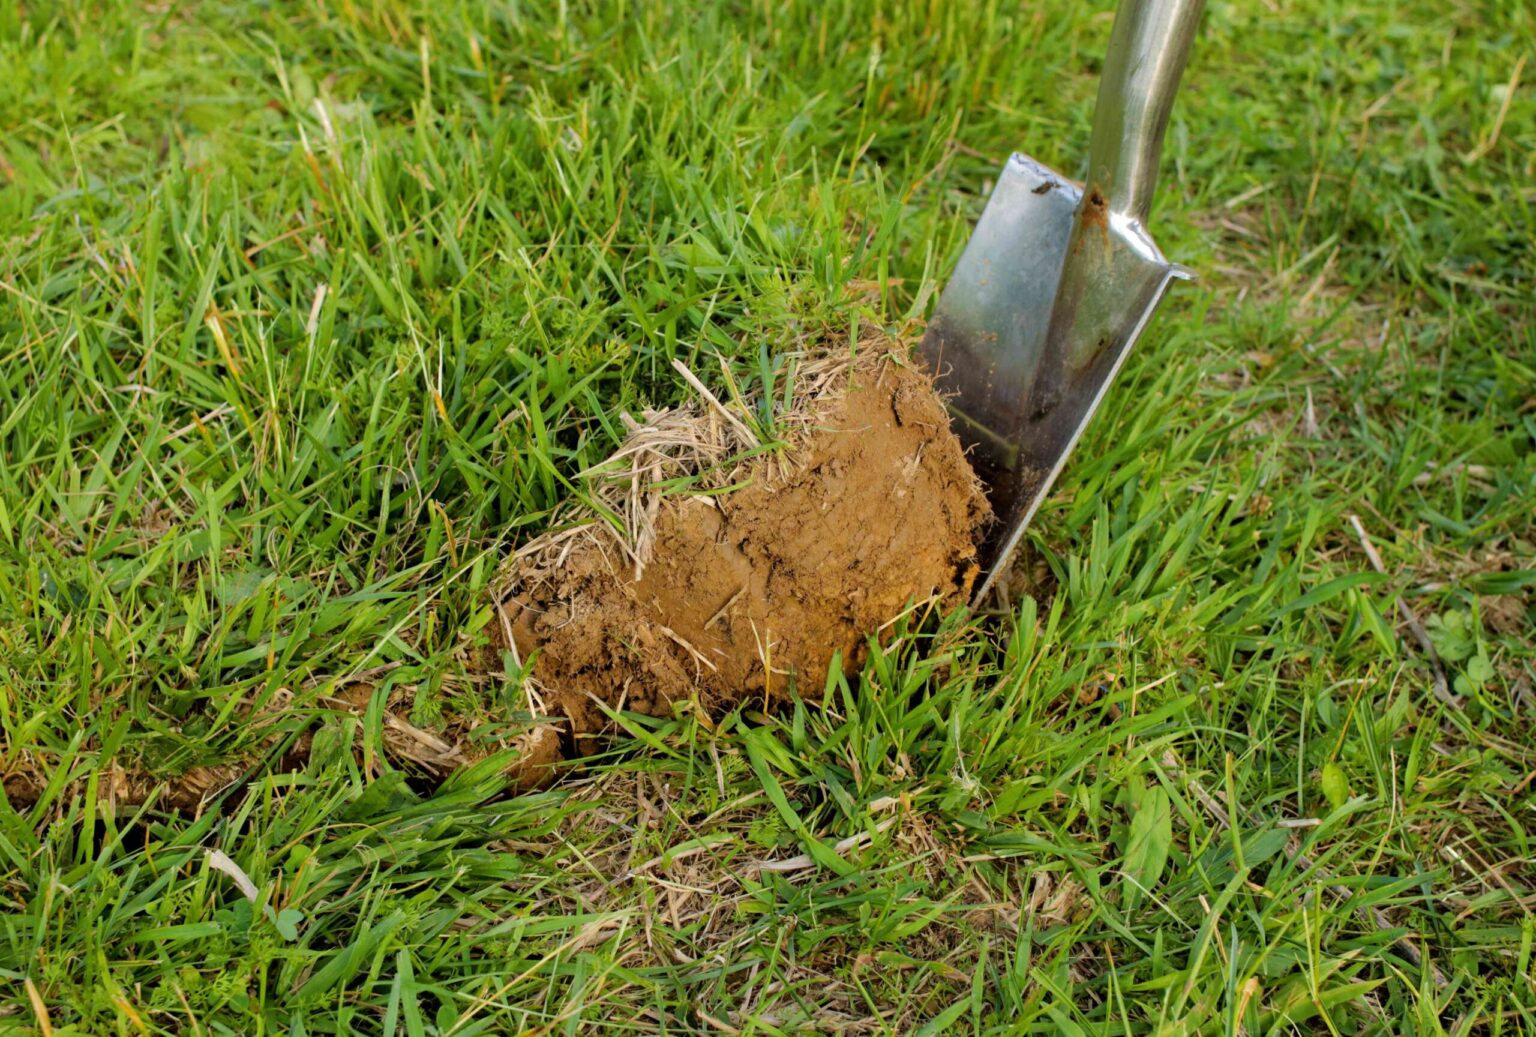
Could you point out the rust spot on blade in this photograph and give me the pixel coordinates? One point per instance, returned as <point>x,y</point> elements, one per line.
<point>1095,216</point>
<point>1096,210</point>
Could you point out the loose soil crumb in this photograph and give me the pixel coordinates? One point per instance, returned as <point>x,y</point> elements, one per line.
<point>744,594</point>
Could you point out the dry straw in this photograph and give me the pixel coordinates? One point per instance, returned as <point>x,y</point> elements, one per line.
<point>692,451</point>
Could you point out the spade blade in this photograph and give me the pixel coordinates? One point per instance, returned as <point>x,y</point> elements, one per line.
<point>1048,298</point>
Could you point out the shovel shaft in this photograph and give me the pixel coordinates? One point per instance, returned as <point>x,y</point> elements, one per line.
<point>1148,47</point>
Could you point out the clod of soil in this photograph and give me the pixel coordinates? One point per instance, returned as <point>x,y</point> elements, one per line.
<point>742,594</point>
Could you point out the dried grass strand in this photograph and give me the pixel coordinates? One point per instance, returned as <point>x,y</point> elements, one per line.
<point>688,452</point>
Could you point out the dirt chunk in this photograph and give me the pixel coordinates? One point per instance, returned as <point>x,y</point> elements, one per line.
<point>747,593</point>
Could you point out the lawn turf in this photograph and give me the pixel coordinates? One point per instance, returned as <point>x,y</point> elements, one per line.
<point>309,312</point>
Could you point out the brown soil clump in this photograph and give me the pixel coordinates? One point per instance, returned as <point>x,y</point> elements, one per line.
<point>738,595</point>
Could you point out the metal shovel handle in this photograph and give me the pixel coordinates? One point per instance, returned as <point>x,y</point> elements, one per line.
<point>1148,47</point>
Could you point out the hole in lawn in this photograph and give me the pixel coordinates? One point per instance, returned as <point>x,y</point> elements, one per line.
<point>131,836</point>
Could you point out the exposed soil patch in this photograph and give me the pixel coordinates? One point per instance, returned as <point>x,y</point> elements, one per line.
<point>747,593</point>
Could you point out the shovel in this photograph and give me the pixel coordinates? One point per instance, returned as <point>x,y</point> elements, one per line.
<point>1058,281</point>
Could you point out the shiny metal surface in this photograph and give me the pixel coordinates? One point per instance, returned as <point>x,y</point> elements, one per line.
<point>1057,282</point>
<point>1148,48</point>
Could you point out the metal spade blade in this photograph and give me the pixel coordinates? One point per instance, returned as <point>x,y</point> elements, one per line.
<point>1057,282</point>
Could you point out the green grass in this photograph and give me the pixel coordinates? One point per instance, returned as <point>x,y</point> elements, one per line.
<point>312,311</point>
